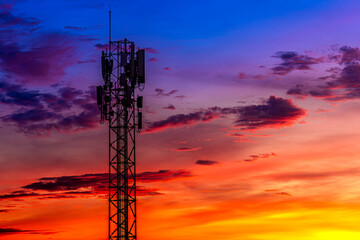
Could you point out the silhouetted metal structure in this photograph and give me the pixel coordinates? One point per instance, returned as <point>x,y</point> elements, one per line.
<point>123,71</point>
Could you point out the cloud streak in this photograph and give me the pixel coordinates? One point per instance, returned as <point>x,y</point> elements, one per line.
<point>206,162</point>
<point>253,158</point>
<point>13,231</point>
<point>89,185</point>
<point>275,112</point>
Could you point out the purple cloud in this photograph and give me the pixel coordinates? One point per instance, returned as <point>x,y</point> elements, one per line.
<point>170,107</point>
<point>273,113</point>
<point>180,120</point>
<point>349,55</point>
<point>292,61</point>
<point>42,122</point>
<point>100,46</point>
<point>44,62</point>
<point>37,58</point>
<point>7,19</point>
<point>40,113</point>
<point>346,85</point>
<point>150,50</point>
<point>153,60</point>
<point>161,92</point>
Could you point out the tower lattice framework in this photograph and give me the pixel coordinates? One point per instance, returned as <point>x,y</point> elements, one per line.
<point>123,73</point>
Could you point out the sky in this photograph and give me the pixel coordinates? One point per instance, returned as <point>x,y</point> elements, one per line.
<point>251,115</point>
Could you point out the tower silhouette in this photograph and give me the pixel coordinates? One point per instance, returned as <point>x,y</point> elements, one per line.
<point>123,71</point>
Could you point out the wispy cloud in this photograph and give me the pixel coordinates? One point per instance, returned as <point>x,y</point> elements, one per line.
<point>187,149</point>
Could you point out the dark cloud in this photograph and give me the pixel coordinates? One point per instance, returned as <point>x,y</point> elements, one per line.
<point>100,46</point>
<point>40,59</point>
<point>206,162</point>
<point>33,57</point>
<point>166,68</point>
<point>301,91</point>
<point>153,60</point>
<point>86,61</point>
<point>180,120</point>
<point>349,55</point>
<point>74,28</point>
<point>275,112</point>
<point>162,175</point>
<point>46,59</point>
<point>253,158</point>
<point>14,94</point>
<point>345,87</point>
<point>349,78</point>
<point>30,116</point>
<point>89,184</point>
<point>40,113</point>
<point>188,149</point>
<point>292,61</point>
<point>99,181</point>
<point>66,183</point>
<point>141,191</point>
<point>181,97</point>
<point>7,19</point>
<point>242,75</point>
<point>42,122</point>
<point>236,135</point>
<point>6,6</point>
<point>298,90</point>
<point>12,231</point>
<point>170,107</point>
<point>278,192</point>
<point>283,194</point>
<point>150,50</point>
<point>88,38</point>
<point>18,194</point>
<point>161,92</point>
<point>343,83</point>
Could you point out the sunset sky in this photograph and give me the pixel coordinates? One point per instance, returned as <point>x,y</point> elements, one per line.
<point>251,119</point>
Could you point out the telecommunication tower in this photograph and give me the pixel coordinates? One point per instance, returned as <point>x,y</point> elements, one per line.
<point>123,71</point>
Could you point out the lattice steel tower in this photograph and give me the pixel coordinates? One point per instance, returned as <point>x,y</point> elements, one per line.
<point>123,71</point>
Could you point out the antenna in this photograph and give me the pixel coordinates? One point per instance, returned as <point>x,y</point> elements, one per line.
<point>109,27</point>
